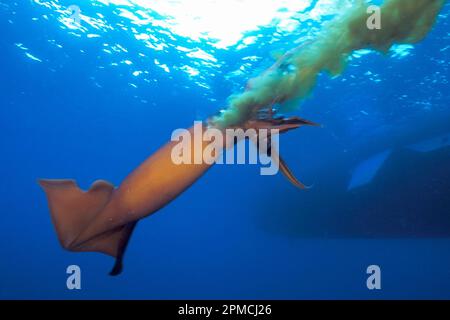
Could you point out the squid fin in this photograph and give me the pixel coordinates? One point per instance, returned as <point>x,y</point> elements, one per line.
<point>126,235</point>
<point>73,210</point>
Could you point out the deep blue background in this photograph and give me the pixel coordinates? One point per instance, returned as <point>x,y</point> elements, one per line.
<point>234,234</point>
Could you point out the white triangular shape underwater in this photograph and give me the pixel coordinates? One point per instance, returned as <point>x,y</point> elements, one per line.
<point>432,144</point>
<point>367,170</point>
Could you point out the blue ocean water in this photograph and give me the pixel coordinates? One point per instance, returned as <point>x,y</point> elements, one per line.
<point>92,100</point>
